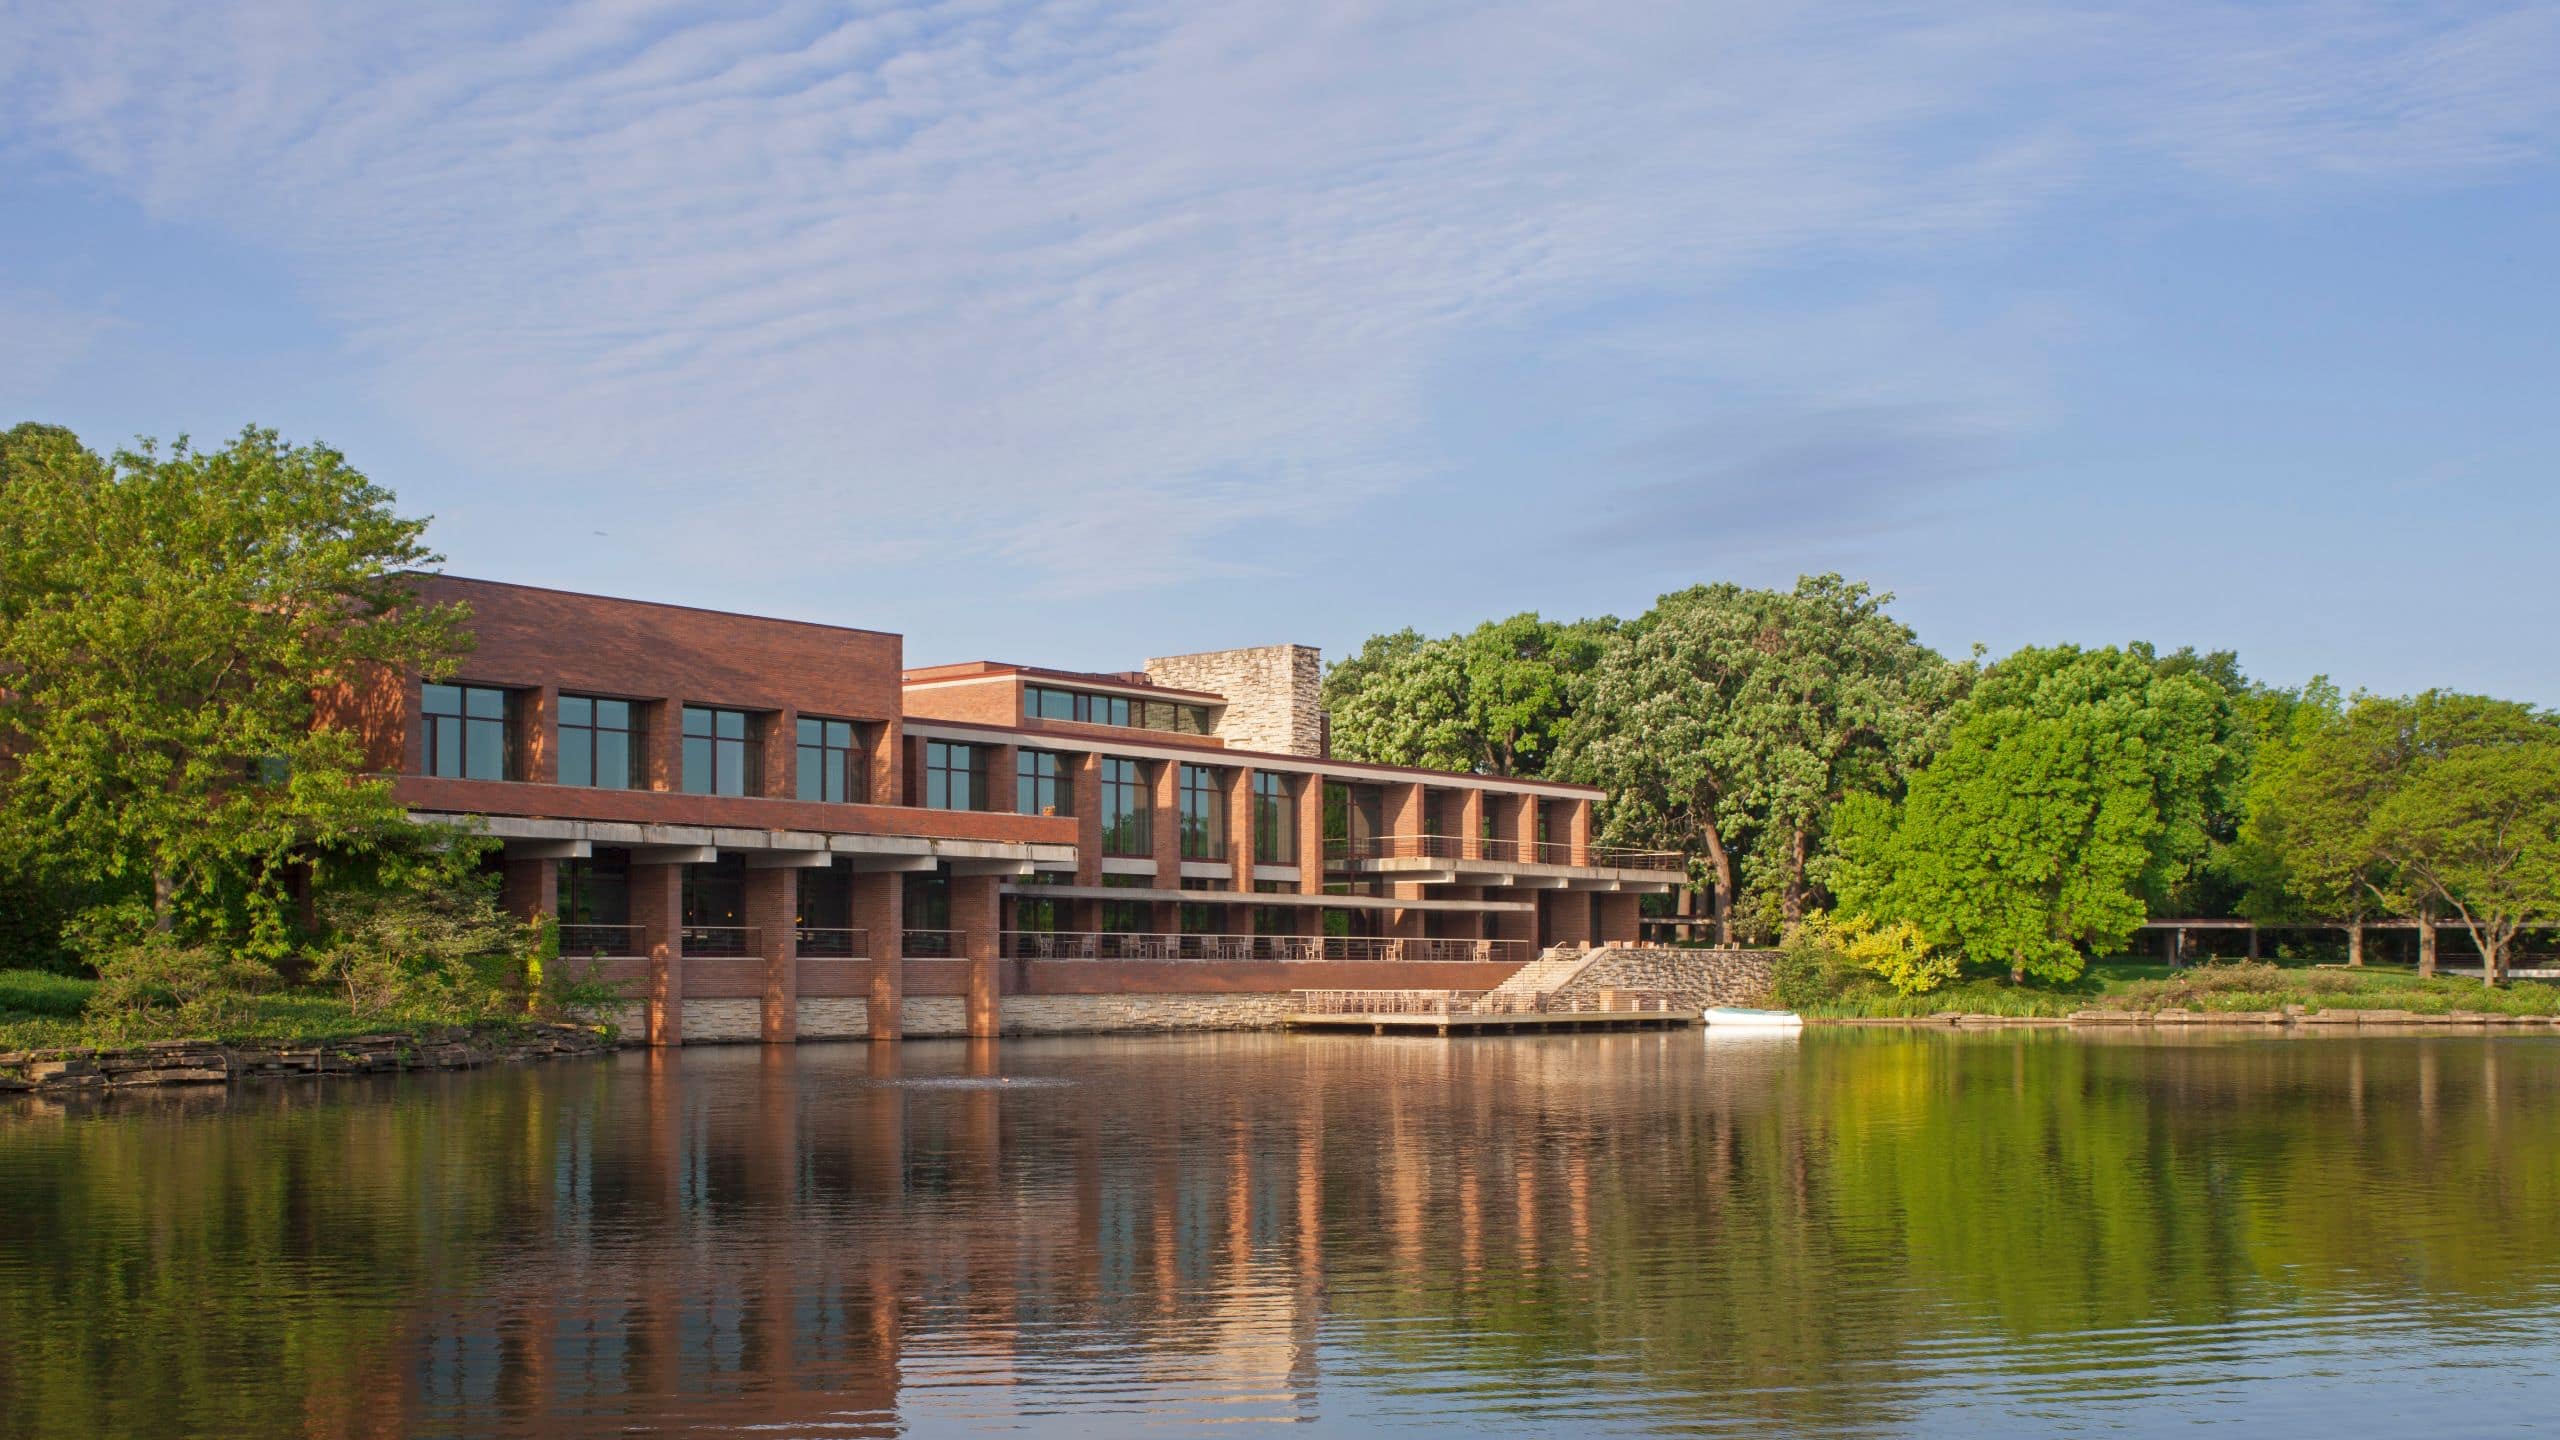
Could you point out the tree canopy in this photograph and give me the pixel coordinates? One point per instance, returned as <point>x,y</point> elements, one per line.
<point>2074,786</point>
<point>166,620</point>
<point>1728,722</point>
<point>1493,701</point>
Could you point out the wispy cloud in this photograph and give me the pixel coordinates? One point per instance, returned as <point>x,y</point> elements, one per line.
<point>1010,279</point>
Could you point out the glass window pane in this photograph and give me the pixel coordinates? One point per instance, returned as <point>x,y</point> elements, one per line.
<point>614,714</point>
<point>613,760</point>
<point>577,757</point>
<point>486,704</point>
<point>733,725</point>
<point>577,710</point>
<point>446,742</point>
<point>809,778</point>
<point>836,789</point>
<point>733,770</point>
<point>937,790</point>
<point>440,699</point>
<point>812,732</point>
<point>697,766</point>
<point>840,734</point>
<point>484,755</point>
<point>697,721</point>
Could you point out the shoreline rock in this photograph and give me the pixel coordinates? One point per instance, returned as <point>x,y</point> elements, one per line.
<point>205,1062</point>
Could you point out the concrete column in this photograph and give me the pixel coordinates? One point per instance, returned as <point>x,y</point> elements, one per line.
<point>879,907</point>
<point>974,914</point>
<point>773,908</point>
<point>1470,823</point>
<point>657,907</point>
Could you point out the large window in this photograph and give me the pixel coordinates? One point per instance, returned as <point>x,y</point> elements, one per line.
<point>1128,917</point>
<point>466,732</point>
<point>1128,809</point>
<point>830,763</point>
<point>719,752</point>
<point>600,743</point>
<point>1204,813</point>
<point>955,776</point>
<point>596,890</point>
<point>1048,702</point>
<point>1043,783</point>
<point>1275,820</point>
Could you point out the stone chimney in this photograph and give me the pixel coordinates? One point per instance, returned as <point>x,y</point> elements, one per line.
<point>1272,692</point>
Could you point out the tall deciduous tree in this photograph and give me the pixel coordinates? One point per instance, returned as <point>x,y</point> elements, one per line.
<point>1727,721</point>
<point>166,620</point>
<point>2074,784</point>
<point>1494,700</point>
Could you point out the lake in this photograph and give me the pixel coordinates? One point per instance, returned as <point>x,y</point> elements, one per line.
<point>1861,1232</point>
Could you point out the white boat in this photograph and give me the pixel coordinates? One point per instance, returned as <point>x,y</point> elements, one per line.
<point>1735,1017</point>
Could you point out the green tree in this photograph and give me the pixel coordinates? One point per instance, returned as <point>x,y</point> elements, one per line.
<point>1493,701</point>
<point>1730,722</point>
<point>2074,785</point>
<point>167,619</point>
<point>2476,834</point>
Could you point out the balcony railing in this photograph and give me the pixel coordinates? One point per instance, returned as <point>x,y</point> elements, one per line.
<point>1292,949</point>
<point>600,941</point>
<point>820,942</point>
<point>721,941</point>
<point>1539,852</point>
<point>933,944</point>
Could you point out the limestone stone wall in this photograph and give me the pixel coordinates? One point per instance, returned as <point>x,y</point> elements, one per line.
<point>1273,692</point>
<point>1065,1014</point>
<point>933,1015</point>
<point>834,1019</point>
<point>1701,978</point>
<point>630,1020</point>
<point>708,1022</point>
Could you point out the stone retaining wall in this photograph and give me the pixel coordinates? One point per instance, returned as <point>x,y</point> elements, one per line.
<point>203,1062</point>
<point>1701,978</point>
<point>1067,1014</point>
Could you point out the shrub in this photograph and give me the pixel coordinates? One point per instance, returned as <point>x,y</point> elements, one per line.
<point>421,949</point>
<point>1824,954</point>
<point>154,983</point>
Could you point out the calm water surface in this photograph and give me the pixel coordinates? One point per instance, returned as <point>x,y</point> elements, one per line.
<point>1857,1233</point>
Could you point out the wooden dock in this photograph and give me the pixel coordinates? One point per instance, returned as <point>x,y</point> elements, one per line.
<point>1451,1012</point>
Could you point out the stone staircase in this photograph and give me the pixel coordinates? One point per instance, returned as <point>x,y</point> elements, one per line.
<point>1554,969</point>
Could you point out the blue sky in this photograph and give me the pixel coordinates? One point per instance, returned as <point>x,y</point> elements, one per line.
<point>1078,333</point>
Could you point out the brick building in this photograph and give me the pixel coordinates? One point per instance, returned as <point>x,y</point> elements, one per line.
<point>769,828</point>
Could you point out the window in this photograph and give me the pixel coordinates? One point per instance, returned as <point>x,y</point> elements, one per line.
<point>600,743</point>
<point>718,760</point>
<point>596,890</point>
<point>1275,820</point>
<point>1128,810</point>
<point>954,776</point>
<point>1048,702</point>
<point>1204,813</point>
<point>466,732</point>
<point>1043,783</point>
<point>1128,917</point>
<point>829,765</point>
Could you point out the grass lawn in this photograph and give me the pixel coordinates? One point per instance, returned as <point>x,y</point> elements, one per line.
<point>42,1011</point>
<point>2124,985</point>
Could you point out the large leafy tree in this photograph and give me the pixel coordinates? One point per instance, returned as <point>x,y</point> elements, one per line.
<point>1494,700</point>
<point>167,618</point>
<point>2074,784</point>
<point>2434,805</point>
<point>1729,723</point>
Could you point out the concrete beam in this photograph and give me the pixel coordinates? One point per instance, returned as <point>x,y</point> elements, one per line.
<point>989,867</point>
<point>886,864</point>
<point>548,849</point>
<point>674,854</point>
<point>789,859</point>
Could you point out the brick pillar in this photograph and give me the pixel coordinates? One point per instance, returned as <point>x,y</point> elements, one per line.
<point>664,765</point>
<point>1240,826</point>
<point>879,908</point>
<point>1567,914</point>
<point>1524,827</point>
<point>779,754</point>
<point>530,887</point>
<point>657,907</point>
<point>1002,795</point>
<point>888,769</point>
<point>773,908</point>
<point>1620,916</point>
<point>1086,768</point>
<point>1470,822</point>
<point>974,915</point>
<point>1577,830</point>
<point>1167,843</point>
<point>1402,815</point>
<point>534,731</point>
<point>1311,834</point>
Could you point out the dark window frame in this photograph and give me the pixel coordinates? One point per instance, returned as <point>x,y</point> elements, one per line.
<point>1044,782</point>
<point>454,742</point>
<point>955,771</point>
<point>1128,808</point>
<point>582,742</point>
<point>831,760</point>
<point>1200,811</point>
<point>1275,819</point>
<point>725,739</point>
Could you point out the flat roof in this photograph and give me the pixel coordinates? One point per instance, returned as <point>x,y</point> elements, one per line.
<point>999,669</point>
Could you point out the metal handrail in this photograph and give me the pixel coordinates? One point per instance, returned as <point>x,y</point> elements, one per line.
<point>1483,1002</point>
<point>714,942</point>
<point>1536,852</point>
<point>601,941</point>
<point>932,944</point>
<point>1295,949</point>
<point>827,942</point>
